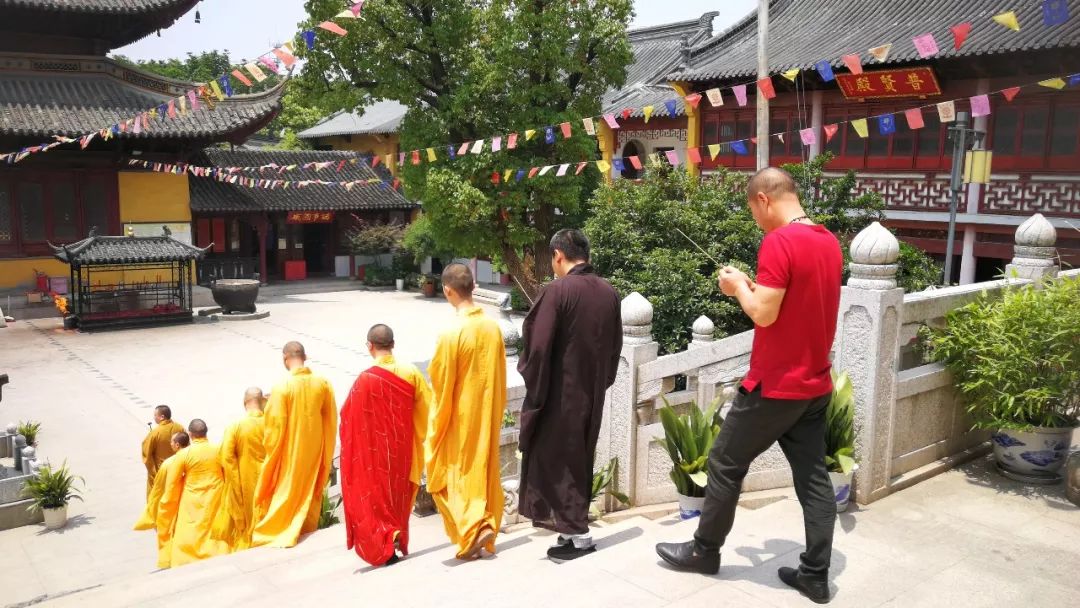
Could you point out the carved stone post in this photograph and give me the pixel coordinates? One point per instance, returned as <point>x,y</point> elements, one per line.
<point>7,440</point>
<point>618,432</point>
<point>702,333</point>
<point>1034,255</point>
<point>867,348</point>
<point>17,451</point>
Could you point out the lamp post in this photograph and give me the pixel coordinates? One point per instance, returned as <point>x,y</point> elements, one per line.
<point>959,133</point>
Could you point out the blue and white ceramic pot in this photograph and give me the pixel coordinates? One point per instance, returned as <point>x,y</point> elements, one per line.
<point>841,484</point>
<point>690,506</point>
<point>1037,452</point>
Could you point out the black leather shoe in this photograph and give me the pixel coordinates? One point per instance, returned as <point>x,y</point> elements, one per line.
<point>815,588</point>
<point>568,552</point>
<point>684,556</point>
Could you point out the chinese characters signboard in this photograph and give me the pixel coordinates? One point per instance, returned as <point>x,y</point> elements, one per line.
<point>310,217</point>
<point>890,84</point>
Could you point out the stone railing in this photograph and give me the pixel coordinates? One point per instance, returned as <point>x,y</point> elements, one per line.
<point>909,422</point>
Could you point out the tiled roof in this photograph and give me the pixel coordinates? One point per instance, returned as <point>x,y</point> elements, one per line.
<point>125,7</point>
<point>804,32</point>
<point>72,96</point>
<point>379,118</point>
<point>127,250</point>
<point>639,96</point>
<point>211,196</point>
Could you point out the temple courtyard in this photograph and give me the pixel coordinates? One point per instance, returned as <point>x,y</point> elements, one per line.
<point>966,538</point>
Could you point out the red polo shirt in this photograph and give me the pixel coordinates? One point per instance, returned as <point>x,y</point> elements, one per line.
<point>790,358</point>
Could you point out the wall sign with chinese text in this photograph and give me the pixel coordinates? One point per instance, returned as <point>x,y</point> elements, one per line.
<point>890,84</point>
<point>310,217</point>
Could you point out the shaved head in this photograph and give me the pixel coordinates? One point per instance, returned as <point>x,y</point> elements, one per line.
<point>181,439</point>
<point>197,429</point>
<point>164,411</point>
<point>459,278</point>
<point>381,337</point>
<point>294,350</point>
<point>253,398</point>
<point>773,183</point>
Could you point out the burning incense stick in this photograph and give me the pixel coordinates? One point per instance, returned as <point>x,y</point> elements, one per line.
<point>718,264</point>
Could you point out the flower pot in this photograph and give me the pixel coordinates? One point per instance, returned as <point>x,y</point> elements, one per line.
<point>1034,455</point>
<point>55,518</point>
<point>841,485</point>
<point>429,289</point>
<point>399,284</point>
<point>690,506</point>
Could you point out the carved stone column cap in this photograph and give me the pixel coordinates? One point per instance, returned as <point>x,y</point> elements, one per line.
<point>1037,231</point>
<point>11,428</point>
<point>703,329</point>
<point>510,335</point>
<point>875,245</point>
<point>636,310</point>
<point>29,452</point>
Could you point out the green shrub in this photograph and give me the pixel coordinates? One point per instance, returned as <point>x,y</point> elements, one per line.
<point>840,426</point>
<point>52,489</point>
<point>29,430</point>
<point>688,439</point>
<point>379,276</point>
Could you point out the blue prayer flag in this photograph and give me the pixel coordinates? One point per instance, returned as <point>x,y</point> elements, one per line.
<point>451,152</point>
<point>740,147</point>
<point>886,124</point>
<point>671,106</point>
<point>549,135</point>
<point>162,111</point>
<point>824,69</point>
<point>618,164</point>
<point>309,38</point>
<point>1074,80</point>
<point>520,175</point>
<point>226,85</point>
<point>1055,12</point>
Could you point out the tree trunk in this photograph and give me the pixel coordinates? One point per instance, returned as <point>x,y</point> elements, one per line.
<point>521,273</point>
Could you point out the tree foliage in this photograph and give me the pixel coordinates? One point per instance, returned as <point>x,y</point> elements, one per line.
<point>473,69</point>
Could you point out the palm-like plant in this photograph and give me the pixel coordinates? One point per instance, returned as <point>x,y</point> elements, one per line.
<point>29,430</point>
<point>840,427</point>
<point>688,438</point>
<point>52,489</point>
<point>327,514</point>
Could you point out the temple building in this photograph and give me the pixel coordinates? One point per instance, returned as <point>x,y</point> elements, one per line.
<point>370,130</point>
<point>1035,138</point>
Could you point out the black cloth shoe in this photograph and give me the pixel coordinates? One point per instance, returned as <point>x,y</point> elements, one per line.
<point>568,552</point>
<point>815,588</point>
<point>393,560</point>
<point>684,556</point>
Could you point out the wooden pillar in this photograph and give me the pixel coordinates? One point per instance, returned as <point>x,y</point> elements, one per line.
<point>693,125</point>
<point>262,228</point>
<point>605,136</point>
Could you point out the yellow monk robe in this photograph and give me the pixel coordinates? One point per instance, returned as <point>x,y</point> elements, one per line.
<point>422,399</point>
<point>468,373</point>
<point>156,447</point>
<point>242,456</point>
<point>189,502</point>
<point>148,521</point>
<point>301,431</point>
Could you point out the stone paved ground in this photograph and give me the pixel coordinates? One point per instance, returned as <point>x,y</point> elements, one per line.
<point>966,538</point>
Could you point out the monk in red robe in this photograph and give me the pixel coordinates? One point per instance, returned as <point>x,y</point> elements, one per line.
<point>383,426</point>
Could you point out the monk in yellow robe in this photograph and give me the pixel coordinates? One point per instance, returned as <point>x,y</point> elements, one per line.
<point>157,446</point>
<point>242,456</point>
<point>468,373</point>
<point>301,430</point>
<point>148,521</point>
<point>191,499</point>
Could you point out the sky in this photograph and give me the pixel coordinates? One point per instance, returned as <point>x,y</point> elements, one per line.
<point>249,28</point>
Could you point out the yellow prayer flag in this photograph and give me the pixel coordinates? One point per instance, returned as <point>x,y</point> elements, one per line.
<point>714,149</point>
<point>1053,83</point>
<point>529,134</point>
<point>389,160</point>
<point>345,14</point>
<point>507,174</point>
<point>881,53</point>
<point>647,110</point>
<point>860,127</point>
<point>791,74</point>
<point>430,151</point>
<point>603,165</point>
<point>217,90</point>
<point>183,105</point>
<point>1008,19</point>
<point>288,46</point>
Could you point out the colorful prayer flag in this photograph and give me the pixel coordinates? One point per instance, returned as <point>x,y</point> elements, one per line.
<point>529,134</point>
<point>790,74</point>
<point>355,8</point>
<point>1053,83</point>
<point>269,63</point>
<point>740,93</point>
<point>672,157</point>
<point>824,69</point>
<point>217,90</point>
<point>946,111</point>
<point>693,100</point>
<point>1007,19</point>
<point>808,136</point>
<point>520,175</point>
<point>562,170</point>
<point>611,122</point>
<point>255,71</point>
<point>172,108</point>
<point>581,167</point>
<point>333,28</point>
<point>603,165</point>
<point>635,162</point>
<point>980,106</point>
<point>431,155</point>
<point>672,107</point>
<point>464,149</point>
<point>618,164</point>
<point>507,174</point>
<point>626,113</point>
<point>765,86</point>
<point>881,53</point>
<point>715,97</point>
<point>859,124</point>
<point>194,99</point>
<point>740,147</point>
<point>925,45</point>
<point>853,63</point>
<point>496,144</point>
<point>647,111</point>
<point>287,58</point>
<point>240,76</point>
<point>511,141</point>
<point>830,131</point>
<point>960,33</point>
<point>549,135</point>
<point>566,131</point>
<point>1074,80</point>
<point>914,118</point>
<point>1055,12</point>
<point>478,147</point>
<point>309,39</point>
<point>226,84</point>
<point>694,155</point>
<point>495,177</point>
<point>590,128</point>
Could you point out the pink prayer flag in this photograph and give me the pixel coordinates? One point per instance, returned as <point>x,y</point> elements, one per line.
<point>269,63</point>
<point>566,131</point>
<point>562,170</point>
<point>1011,93</point>
<point>672,157</point>
<point>925,45</point>
<point>808,136</point>
<point>581,167</point>
<point>464,149</point>
<point>496,144</point>
<point>533,172</point>
<point>374,161</point>
<point>286,58</point>
<point>914,118</point>
<point>740,93</point>
<point>980,106</point>
<point>635,162</point>
<point>194,99</point>
<point>830,131</point>
<point>853,63</point>
<point>765,85</point>
<point>333,28</point>
<point>610,120</point>
<point>172,108</point>
<point>693,99</point>
<point>511,141</point>
<point>401,159</point>
<point>356,8</point>
<point>138,125</point>
<point>694,155</point>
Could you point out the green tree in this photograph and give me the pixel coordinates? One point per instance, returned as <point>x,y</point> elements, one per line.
<point>477,68</point>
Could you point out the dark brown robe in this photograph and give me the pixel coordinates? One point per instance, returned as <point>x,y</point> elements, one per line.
<point>573,339</point>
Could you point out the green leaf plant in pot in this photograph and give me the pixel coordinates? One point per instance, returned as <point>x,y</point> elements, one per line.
<point>51,491</point>
<point>1016,360</point>
<point>840,439</point>
<point>688,438</point>
<point>602,482</point>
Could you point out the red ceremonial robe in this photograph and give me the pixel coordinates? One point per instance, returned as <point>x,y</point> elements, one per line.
<point>376,458</point>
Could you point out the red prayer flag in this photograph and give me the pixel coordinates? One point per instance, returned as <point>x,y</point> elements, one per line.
<point>495,177</point>
<point>511,141</point>
<point>1011,93</point>
<point>960,33</point>
<point>635,162</point>
<point>396,183</point>
<point>693,100</point>
<point>581,167</point>
<point>765,85</point>
<point>830,130</point>
<point>286,57</point>
<point>853,63</point>
<point>332,27</point>
<point>626,113</point>
<point>914,118</point>
<point>341,166</point>
<point>533,172</point>
<point>416,157</point>
<point>375,161</point>
<point>240,76</point>
<point>565,130</point>
<point>694,154</point>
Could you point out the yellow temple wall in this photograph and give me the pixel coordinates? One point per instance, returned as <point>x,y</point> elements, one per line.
<point>365,144</point>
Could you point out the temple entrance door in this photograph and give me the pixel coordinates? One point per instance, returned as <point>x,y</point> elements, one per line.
<point>317,245</point>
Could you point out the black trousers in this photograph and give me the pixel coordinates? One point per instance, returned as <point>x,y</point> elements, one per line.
<point>752,425</point>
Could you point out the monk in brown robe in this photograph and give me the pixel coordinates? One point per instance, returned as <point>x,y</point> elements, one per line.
<point>573,338</point>
<point>157,446</point>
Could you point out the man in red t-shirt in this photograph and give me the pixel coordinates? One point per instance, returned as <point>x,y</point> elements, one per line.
<point>794,306</point>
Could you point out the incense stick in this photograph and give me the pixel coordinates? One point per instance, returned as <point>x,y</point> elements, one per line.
<point>699,247</point>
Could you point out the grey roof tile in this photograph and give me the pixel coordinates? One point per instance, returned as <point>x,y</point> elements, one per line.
<point>98,6</point>
<point>127,250</point>
<point>379,118</point>
<point>211,196</point>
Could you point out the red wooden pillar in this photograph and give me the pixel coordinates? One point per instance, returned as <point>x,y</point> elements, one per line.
<point>262,226</point>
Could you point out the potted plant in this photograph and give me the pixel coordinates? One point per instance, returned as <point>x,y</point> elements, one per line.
<point>1016,360</point>
<point>688,438</point>
<point>427,285</point>
<point>601,486</point>
<point>840,440</point>
<point>51,492</point>
<point>30,431</point>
